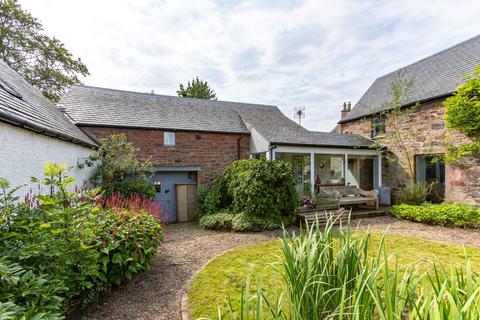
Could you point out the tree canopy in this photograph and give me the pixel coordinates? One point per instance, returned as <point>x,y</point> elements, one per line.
<point>197,89</point>
<point>42,60</point>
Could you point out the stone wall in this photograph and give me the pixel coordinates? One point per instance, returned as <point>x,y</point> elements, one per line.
<point>211,151</point>
<point>423,132</point>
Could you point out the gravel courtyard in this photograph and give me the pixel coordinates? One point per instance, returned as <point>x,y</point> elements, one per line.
<point>157,294</point>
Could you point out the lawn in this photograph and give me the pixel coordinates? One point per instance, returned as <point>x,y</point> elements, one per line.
<point>224,276</point>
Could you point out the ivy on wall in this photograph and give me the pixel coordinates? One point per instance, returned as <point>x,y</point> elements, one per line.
<point>462,113</point>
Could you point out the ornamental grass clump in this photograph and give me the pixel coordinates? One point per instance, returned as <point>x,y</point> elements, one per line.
<point>330,274</point>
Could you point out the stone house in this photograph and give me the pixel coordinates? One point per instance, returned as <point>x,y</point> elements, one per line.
<point>32,131</point>
<point>422,128</point>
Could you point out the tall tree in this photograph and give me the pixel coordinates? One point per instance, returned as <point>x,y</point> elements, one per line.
<point>197,89</point>
<point>43,61</point>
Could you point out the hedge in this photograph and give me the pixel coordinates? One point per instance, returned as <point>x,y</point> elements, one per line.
<point>444,214</point>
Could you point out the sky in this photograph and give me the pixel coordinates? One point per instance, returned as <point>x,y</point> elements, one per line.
<point>288,53</point>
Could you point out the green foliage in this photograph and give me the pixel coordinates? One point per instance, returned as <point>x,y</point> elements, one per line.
<point>415,193</point>
<point>114,162</point>
<point>246,222</point>
<point>445,214</point>
<point>462,113</point>
<point>209,200</point>
<point>62,247</point>
<point>42,60</point>
<point>217,221</point>
<point>197,89</point>
<point>127,238</point>
<point>129,187</point>
<point>336,275</point>
<point>259,193</point>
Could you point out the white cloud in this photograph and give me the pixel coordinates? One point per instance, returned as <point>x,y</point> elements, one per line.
<point>288,53</point>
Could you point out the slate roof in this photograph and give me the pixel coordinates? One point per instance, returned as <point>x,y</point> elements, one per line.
<point>94,106</point>
<point>435,76</point>
<point>23,105</point>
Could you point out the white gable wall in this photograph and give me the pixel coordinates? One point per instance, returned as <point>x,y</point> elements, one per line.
<point>23,154</point>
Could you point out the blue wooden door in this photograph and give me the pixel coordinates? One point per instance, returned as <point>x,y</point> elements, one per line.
<point>166,195</point>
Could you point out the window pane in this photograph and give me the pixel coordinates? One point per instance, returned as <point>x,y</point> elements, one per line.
<point>169,138</point>
<point>329,170</point>
<point>360,172</point>
<point>301,169</point>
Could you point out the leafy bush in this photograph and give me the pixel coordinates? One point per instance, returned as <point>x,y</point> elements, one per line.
<point>415,193</point>
<point>115,161</point>
<point>130,187</point>
<point>209,200</point>
<point>259,193</point>
<point>217,221</point>
<point>245,222</point>
<point>462,113</point>
<point>66,246</point>
<point>445,214</point>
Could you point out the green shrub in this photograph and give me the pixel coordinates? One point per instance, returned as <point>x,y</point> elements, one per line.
<point>445,214</point>
<point>259,193</point>
<point>245,222</point>
<point>209,200</point>
<point>217,221</point>
<point>69,246</point>
<point>415,193</point>
<point>129,187</point>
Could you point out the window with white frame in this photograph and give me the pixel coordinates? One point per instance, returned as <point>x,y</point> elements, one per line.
<point>169,139</point>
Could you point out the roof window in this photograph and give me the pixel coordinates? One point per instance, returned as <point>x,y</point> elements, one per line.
<point>8,88</point>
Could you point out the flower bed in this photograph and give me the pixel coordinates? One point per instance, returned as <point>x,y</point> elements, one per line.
<point>65,247</point>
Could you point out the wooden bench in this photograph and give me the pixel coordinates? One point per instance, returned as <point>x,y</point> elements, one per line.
<point>348,195</point>
<point>322,216</point>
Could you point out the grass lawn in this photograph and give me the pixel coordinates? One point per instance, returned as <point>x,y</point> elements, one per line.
<point>224,276</point>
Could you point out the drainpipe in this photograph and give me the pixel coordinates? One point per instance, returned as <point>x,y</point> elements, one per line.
<point>239,153</point>
<point>270,151</point>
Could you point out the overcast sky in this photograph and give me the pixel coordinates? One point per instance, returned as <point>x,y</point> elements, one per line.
<point>288,53</point>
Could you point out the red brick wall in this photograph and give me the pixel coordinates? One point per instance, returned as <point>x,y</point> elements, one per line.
<point>212,152</point>
<point>424,132</point>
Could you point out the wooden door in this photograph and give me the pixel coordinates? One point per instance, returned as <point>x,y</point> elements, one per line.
<point>186,202</point>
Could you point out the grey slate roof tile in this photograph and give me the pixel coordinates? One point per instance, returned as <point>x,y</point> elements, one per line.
<point>435,76</point>
<point>95,106</point>
<point>34,111</point>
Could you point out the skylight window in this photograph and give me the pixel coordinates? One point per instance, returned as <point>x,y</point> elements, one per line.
<point>8,88</point>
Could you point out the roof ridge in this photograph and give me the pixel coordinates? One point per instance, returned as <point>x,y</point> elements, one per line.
<point>430,56</point>
<point>170,96</point>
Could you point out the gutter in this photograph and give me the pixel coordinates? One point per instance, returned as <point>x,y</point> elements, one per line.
<point>320,145</point>
<point>270,150</point>
<point>32,126</point>
<point>239,153</point>
<point>404,106</point>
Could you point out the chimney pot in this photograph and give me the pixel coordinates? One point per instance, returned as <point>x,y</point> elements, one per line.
<point>349,106</point>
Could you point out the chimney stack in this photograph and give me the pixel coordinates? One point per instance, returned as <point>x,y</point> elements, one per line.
<point>346,109</point>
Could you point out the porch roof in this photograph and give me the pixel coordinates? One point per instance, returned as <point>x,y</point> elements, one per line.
<point>325,139</point>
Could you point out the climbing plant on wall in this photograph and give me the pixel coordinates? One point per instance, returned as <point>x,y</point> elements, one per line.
<point>462,113</point>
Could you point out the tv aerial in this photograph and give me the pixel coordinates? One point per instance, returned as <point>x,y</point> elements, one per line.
<point>299,113</point>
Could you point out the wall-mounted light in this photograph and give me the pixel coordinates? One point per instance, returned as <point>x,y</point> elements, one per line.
<point>158,186</point>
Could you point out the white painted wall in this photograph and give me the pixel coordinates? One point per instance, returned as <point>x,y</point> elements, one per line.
<point>23,154</point>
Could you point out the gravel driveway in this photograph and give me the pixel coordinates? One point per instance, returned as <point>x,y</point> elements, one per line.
<point>157,294</point>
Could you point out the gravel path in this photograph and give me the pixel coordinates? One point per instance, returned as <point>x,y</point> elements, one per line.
<point>157,294</point>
